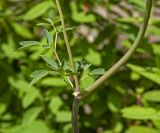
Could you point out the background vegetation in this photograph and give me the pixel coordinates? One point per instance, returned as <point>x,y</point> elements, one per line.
<point>105,29</point>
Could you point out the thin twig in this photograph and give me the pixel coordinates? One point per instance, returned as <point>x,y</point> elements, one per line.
<point>126,57</point>
<point>55,48</point>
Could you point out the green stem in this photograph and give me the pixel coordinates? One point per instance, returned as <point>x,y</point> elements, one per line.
<point>126,57</point>
<point>75,109</point>
<point>67,44</point>
<point>75,106</point>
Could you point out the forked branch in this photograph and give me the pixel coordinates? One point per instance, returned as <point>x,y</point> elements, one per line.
<point>127,56</point>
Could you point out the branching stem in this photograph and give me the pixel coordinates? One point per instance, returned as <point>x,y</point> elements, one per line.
<point>67,44</point>
<point>127,56</point>
<point>75,106</point>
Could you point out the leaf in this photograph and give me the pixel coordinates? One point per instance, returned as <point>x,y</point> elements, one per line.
<point>37,75</point>
<point>49,20</point>
<point>57,82</point>
<point>87,81</point>
<point>64,64</point>
<point>43,24</point>
<point>37,126</point>
<point>85,65</point>
<point>17,84</point>
<point>141,129</point>
<point>50,62</point>
<point>45,46</point>
<point>60,29</point>
<point>81,16</point>
<point>153,96</point>
<point>99,71</point>
<point>48,36</point>
<point>55,104</point>
<point>29,97</point>
<point>114,101</point>
<point>61,71</point>
<point>26,44</point>
<point>147,73</point>
<point>138,3</point>
<point>31,114</point>
<point>3,108</point>
<point>38,10</point>
<point>93,57</point>
<point>54,73</point>
<point>139,113</point>
<point>63,116</point>
<point>22,31</point>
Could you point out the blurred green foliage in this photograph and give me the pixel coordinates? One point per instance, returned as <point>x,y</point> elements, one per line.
<point>127,103</point>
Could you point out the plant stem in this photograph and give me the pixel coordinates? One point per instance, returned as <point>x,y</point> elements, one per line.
<point>67,43</point>
<point>75,109</point>
<point>55,48</point>
<point>127,56</point>
<point>75,106</point>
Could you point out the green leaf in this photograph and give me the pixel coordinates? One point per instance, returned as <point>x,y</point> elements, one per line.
<point>114,101</point>
<point>63,116</point>
<point>45,46</point>
<point>37,126</point>
<point>93,57</point>
<point>22,31</point>
<point>37,75</point>
<point>50,62</point>
<point>3,108</point>
<point>145,72</point>
<point>38,10</point>
<point>87,81</point>
<point>31,114</point>
<point>139,113</point>
<point>26,44</point>
<point>83,65</point>
<point>60,29</point>
<point>64,64</point>
<point>153,96</point>
<point>17,84</point>
<point>81,17</point>
<point>48,36</point>
<point>55,104</point>
<point>57,82</point>
<point>141,129</point>
<point>43,24</point>
<point>53,73</point>
<point>61,71</point>
<point>29,97</point>
<point>49,20</point>
<point>99,71</point>
<point>139,3</point>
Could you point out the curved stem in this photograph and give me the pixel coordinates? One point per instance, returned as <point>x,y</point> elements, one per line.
<point>67,44</point>
<point>127,56</point>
